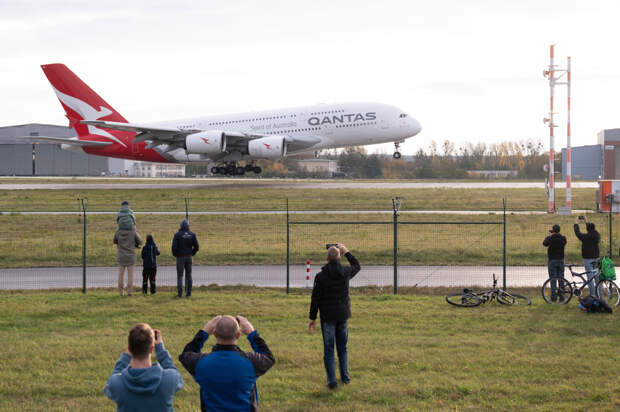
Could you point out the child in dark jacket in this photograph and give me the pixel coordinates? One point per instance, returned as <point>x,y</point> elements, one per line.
<point>149,264</point>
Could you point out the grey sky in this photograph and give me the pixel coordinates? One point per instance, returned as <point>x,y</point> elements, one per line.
<point>469,70</point>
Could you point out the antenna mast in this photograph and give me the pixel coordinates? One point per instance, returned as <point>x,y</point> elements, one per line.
<point>551,74</point>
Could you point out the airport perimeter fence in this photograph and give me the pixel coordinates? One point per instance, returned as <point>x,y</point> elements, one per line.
<point>42,251</point>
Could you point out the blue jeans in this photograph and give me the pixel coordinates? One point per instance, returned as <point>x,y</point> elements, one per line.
<point>184,262</point>
<point>339,332</point>
<point>555,268</point>
<point>591,266</point>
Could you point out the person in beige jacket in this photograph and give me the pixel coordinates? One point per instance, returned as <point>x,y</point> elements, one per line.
<point>126,241</point>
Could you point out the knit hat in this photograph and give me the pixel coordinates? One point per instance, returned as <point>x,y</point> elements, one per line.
<point>556,229</point>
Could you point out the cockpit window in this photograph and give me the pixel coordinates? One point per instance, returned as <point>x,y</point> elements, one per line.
<point>403,115</point>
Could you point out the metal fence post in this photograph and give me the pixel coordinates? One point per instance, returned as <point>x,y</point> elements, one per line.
<point>504,250</point>
<point>84,203</point>
<point>187,207</point>
<point>396,206</point>
<point>288,251</point>
<point>611,201</point>
<point>395,252</point>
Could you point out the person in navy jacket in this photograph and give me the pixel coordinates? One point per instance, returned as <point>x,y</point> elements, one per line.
<point>227,375</point>
<point>184,247</point>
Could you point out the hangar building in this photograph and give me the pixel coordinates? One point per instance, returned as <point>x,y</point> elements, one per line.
<point>18,158</point>
<point>587,162</point>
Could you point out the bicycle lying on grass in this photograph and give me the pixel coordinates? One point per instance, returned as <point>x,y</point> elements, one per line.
<point>470,298</point>
<point>604,289</point>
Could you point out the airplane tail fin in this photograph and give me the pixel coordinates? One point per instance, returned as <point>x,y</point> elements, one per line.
<point>80,102</point>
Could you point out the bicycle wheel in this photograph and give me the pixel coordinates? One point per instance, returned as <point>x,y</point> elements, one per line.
<point>608,291</point>
<point>507,298</point>
<point>466,300</point>
<point>562,293</point>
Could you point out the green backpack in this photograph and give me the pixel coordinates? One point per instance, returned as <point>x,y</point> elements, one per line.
<point>607,269</point>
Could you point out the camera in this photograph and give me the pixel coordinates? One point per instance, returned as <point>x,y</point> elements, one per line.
<point>581,217</point>
<point>327,246</point>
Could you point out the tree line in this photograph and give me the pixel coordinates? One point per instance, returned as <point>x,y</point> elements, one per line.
<point>443,161</point>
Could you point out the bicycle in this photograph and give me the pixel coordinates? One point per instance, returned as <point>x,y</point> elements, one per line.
<point>470,298</point>
<point>603,288</point>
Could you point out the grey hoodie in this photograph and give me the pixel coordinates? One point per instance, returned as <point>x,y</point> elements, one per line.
<point>125,218</point>
<point>150,389</point>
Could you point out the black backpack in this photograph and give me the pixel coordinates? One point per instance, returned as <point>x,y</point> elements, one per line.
<point>593,304</point>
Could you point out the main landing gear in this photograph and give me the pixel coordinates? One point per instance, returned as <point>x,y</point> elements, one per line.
<point>232,169</point>
<point>396,154</point>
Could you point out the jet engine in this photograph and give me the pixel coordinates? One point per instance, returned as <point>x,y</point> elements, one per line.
<point>209,142</point>
<point>270,147</point>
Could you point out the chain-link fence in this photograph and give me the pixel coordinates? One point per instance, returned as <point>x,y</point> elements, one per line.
<point>45,249</point>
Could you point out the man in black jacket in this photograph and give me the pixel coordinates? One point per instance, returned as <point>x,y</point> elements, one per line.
<point>589,250</point>
<point>555,243</point>
<point>330,296</point>
<point>184,247</point>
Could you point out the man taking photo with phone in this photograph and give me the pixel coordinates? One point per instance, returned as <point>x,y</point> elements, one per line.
<point>330,297</point>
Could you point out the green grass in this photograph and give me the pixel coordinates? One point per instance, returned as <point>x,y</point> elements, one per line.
<point>56,240</point>
<point>407,353</point>
<point>258,196</point>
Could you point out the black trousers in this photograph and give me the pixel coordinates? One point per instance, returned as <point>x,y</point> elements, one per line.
<point>148,275</point>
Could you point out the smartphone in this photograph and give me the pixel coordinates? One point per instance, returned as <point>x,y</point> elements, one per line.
<point>327,246</point>
<point>156,334</point>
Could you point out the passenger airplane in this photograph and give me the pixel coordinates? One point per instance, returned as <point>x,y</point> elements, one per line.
<point>224,139</point>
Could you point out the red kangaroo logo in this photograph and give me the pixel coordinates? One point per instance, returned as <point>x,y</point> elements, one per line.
<point>205,140</point>
<point>268,146</point>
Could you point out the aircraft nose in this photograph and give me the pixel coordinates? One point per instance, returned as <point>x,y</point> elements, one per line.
<point>414,126</point>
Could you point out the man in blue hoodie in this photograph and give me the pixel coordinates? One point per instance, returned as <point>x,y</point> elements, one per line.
<point>142,386</point>
<point>184,247</point>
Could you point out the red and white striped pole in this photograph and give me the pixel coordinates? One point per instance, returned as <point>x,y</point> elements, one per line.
<point>308,274</point>
<point>568,147</point>
<point>551,137</point>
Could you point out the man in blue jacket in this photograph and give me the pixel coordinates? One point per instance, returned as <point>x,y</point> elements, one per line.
<point>227,375</point>
<point>142,385</point>
<point>184,247</point>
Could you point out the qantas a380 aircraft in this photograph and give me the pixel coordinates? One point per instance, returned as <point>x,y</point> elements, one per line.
<point>224,139</point>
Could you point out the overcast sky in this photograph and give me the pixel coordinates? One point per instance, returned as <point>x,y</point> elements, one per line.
<point>468,70</point>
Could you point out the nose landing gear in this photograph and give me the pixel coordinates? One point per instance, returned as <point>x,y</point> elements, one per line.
<point>396,154</point>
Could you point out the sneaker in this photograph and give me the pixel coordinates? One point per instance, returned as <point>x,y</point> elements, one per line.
<point>332,385</point>
<point>346,382</point>
<point>178,296</point>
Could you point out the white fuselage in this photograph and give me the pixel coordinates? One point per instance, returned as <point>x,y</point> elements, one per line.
<point>331,126</point>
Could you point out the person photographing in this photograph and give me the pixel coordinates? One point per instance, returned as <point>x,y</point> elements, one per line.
<point>589,250</point>
<point>330,297</point>
<point>555,243</point>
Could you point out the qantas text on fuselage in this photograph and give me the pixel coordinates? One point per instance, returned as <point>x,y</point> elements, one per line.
<point>224,139</point>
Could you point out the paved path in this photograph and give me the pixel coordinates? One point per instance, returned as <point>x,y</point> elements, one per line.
<point>275,276</point>
<point>299,212</point>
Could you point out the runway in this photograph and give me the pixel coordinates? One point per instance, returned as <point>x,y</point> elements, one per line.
<point>275,276</point>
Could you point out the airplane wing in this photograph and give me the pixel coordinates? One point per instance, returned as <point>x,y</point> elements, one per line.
<point>175,138</point>
<point>64,140</point>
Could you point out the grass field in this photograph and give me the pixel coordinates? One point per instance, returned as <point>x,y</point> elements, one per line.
<point>407,352</point>
<point>253,196</point>
<point>56,240</point>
